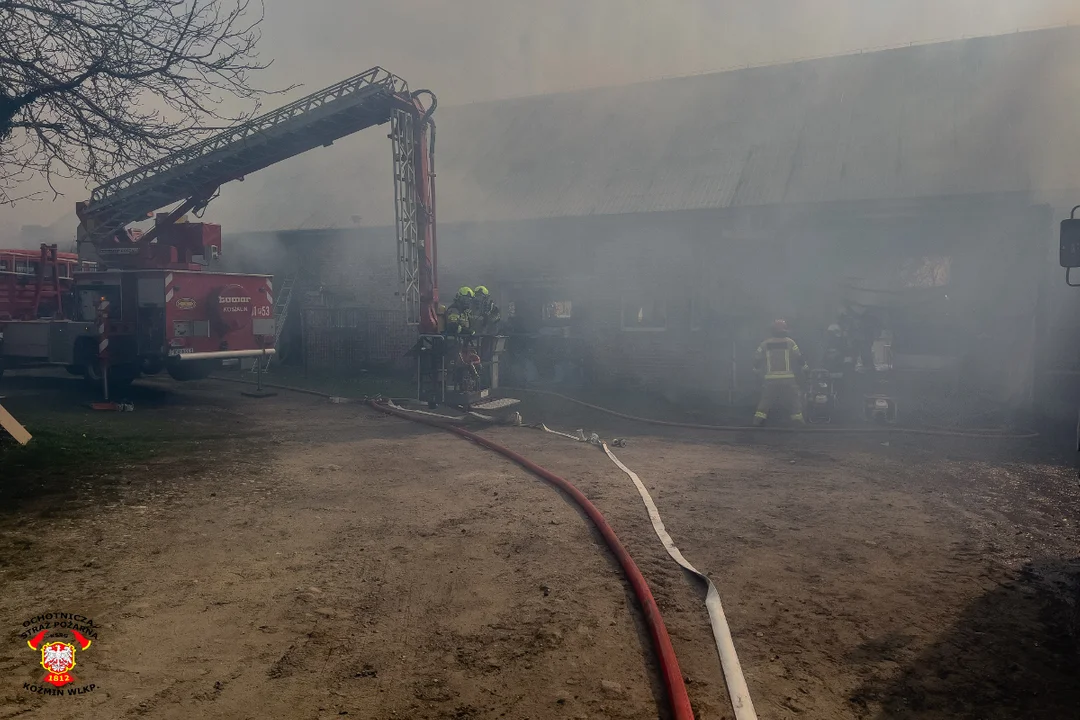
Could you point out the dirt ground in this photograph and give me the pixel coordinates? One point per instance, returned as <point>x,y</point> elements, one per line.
<point>290,558</point>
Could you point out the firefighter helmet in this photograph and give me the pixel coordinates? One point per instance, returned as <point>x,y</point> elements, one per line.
<point>465,292</point>
<point>780,327</point>
<point>481,290</point>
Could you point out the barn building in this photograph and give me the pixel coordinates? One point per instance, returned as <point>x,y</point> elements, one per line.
<point>657,228</point>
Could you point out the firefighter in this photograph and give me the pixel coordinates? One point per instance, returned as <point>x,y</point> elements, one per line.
<point>487,312</point>
<point>861,327</point>
<point>780,363</point>
<point>837,357</point>
<point>440,318</point>
<point>459,314</point>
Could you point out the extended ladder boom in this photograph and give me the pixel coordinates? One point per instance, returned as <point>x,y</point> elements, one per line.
<point>195,173</point>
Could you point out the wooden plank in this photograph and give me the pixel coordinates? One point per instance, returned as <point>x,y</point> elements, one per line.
<point>14,428</point>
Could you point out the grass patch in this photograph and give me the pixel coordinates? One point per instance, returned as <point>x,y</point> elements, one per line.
<point>68,451</point>
<point>60,463</point>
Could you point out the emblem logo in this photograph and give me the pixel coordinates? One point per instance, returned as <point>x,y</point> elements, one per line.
<point>185,303</point>
<point>57,656</point>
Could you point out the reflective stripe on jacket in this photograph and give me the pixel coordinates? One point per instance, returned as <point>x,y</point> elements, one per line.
<point>780,357</point>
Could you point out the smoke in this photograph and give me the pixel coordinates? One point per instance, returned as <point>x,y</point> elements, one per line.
<point>264,253</point>
<point>813,133</point>
<point>473,50</point>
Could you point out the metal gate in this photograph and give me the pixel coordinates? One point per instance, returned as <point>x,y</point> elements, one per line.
<point>343,340</point>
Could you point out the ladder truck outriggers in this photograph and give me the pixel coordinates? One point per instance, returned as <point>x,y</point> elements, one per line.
<point>167,309</point>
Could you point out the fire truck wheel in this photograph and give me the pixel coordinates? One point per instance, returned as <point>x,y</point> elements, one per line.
<point>92,372</point>
<point>191,369</point>
<point>120,376</point>
<point>152,366</point>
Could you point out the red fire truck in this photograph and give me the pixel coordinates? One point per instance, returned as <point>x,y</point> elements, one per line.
<point>163,306</point>
<point>26,296</point>
<point>167,308</point>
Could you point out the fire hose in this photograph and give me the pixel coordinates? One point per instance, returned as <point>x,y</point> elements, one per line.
<point>937,432</point>
<point>932,432</point>
<point>670,673</point>
<point>738,692</point>
<point>669,664</point>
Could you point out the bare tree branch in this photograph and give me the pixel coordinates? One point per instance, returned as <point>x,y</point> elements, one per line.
<point>90,88</point>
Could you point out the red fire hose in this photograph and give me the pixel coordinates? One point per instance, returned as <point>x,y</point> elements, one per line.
<point>669,664</point>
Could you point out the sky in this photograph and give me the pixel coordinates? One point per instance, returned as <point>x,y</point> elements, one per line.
<point>473,50</point>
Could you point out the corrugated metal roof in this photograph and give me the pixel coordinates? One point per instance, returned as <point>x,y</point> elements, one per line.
<point>970,116</point>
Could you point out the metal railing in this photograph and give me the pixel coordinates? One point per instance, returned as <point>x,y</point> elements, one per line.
<point>406,211</point>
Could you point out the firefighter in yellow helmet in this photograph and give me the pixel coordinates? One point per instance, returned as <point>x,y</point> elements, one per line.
<point>459,314</point>
<point>779,363</point>
<point>487,313</point>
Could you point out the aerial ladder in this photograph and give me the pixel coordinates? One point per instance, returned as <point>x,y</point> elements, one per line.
<point>447,372</point>
<point>190,178</point>
<point>194,175</point>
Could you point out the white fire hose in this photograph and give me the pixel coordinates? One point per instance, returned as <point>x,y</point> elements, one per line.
<point>725,647</point>
<point>738,692</point>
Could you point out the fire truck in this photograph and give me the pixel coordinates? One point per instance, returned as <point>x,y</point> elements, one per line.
<point>35,288</point>
<point>31,281</point>
<point>167,308</point>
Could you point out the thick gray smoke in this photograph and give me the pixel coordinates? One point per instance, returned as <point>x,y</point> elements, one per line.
<point>978,119</point>
<point>470,50</point>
